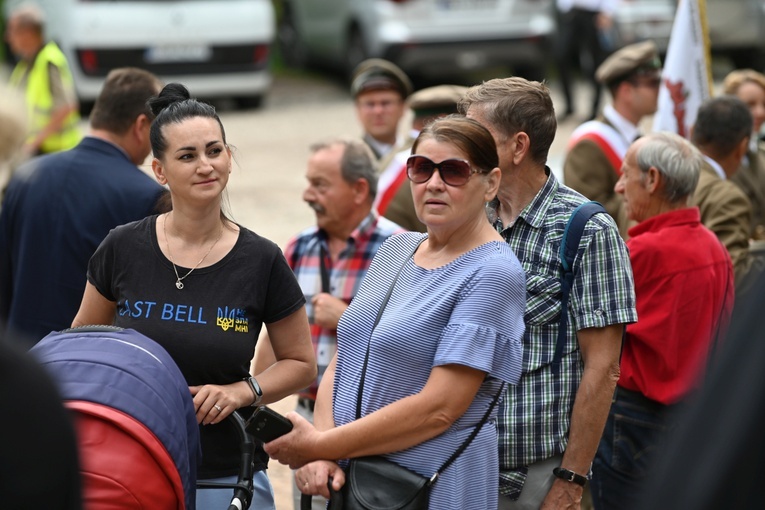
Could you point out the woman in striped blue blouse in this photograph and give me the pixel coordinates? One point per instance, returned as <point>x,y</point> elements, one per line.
<point>447,341</point>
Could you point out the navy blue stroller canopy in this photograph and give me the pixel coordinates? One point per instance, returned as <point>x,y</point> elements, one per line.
<point>127,371</point>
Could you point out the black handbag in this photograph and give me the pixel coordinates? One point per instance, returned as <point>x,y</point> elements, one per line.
<point>376,483</point>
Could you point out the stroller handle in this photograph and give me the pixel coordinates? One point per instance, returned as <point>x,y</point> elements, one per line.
<point>243,488</point>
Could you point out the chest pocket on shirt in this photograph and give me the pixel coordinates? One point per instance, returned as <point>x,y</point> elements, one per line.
<point>543,294</point>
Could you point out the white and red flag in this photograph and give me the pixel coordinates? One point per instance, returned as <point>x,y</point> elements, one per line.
<point>687,76</point>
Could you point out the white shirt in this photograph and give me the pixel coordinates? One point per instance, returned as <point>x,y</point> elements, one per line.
<point>717,168</point>
<point>627,129</point>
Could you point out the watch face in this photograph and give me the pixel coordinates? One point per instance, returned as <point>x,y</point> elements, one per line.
<point>255,387</point>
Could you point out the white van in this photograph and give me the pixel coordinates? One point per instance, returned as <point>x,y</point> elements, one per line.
<point>217,48</point>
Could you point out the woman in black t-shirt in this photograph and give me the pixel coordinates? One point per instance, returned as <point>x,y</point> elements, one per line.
<point>202,286</point>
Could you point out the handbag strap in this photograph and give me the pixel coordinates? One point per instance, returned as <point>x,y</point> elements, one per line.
<point>377,320</point>
<point>470,438</point>
<point>478,426</point>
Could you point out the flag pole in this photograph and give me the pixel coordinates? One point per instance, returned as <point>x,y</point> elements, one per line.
<point>707,43</point>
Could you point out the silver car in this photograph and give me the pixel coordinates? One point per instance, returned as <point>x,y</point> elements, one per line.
<point>423,37</point>
<point>736,27</point>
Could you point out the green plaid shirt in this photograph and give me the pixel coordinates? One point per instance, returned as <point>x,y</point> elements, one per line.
<point>535,417</point>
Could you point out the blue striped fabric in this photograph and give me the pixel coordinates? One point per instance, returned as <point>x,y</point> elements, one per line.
<point>468,312</point>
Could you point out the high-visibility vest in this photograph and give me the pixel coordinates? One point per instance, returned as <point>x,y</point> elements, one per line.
<point>40,100</point>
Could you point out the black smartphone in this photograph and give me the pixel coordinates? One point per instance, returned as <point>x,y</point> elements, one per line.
<point>266,424</point>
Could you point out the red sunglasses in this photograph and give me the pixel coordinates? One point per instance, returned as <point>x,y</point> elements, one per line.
<point>454,172</point>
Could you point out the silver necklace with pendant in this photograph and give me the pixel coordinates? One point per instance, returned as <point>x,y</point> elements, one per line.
<point>179,279</point>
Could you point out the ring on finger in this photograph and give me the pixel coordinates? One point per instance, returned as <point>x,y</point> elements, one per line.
<point>219,408</point>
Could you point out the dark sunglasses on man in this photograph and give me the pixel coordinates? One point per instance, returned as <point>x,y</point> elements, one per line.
<point>454,172</point>
<point>652,82</point>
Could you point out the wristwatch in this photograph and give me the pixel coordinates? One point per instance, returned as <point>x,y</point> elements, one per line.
<point>570,476</point>
<point>255,387</point>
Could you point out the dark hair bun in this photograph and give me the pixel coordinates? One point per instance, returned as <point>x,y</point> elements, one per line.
<point>172,93</point>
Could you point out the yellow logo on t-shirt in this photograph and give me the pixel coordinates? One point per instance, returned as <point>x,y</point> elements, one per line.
<point>235,318</point>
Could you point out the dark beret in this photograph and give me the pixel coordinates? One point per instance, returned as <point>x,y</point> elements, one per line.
<point>436,100</point>
<point>379,74</point>
<point>638,58</point>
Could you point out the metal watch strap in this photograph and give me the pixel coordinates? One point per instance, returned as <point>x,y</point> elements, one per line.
<point>570,476</point>
<point>255,387</point>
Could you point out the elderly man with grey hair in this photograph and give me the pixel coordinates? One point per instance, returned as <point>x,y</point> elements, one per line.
<point>331,258</point>
<point>684,288</point>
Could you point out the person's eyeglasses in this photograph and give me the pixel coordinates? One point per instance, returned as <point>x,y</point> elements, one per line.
<point>454,172</point>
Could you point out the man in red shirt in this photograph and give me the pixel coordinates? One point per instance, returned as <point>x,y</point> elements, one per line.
<point>684,288</point>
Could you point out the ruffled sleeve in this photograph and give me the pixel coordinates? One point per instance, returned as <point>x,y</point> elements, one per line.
<point>500,354</point>
<point>485,329</point>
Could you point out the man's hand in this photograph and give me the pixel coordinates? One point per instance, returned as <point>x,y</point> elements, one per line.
<point>563,495</point>
<point>327,310</point>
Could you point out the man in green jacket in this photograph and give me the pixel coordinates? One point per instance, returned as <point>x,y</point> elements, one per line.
<point>43,75</point>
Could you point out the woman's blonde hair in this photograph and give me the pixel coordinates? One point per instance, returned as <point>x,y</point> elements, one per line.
<point>736,78</point>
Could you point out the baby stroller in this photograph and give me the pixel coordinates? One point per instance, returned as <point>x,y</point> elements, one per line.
<point>137,432</point>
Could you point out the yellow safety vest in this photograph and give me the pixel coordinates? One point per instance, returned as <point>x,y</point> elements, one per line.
<point>40,100</point>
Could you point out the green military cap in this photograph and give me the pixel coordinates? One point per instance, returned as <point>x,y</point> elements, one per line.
<point>379,74</point>
<point>441,99</point>
<point>635,59</point>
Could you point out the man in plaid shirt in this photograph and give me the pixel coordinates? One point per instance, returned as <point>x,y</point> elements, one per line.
<point>550,423</point>
<point>331,258</point>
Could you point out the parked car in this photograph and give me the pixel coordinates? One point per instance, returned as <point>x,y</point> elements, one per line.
<point>737,30</point>
<point>424,37</point>
<point>736,27</point>
<point>640,20</point>
<point>217,48</point>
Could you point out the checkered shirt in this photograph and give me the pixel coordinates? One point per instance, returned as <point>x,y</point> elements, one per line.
<point>303,254</point>
<point>535,417</point>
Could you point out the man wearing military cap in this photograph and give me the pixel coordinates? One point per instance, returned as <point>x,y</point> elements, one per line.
<point>379,89</point>
<point>394,196</point>
<point>596,148</point>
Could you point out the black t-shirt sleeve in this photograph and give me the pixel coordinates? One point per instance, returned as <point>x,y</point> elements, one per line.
<point>101,265</point>
<point>284,293</point>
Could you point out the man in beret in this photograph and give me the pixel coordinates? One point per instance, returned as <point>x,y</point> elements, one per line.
<point>596,148</point>
<point>379,89</point>
<point>394,196</point>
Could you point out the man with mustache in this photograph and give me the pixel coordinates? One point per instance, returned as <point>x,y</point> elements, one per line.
<point>331,258</point>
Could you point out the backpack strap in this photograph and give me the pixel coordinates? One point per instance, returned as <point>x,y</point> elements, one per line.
<point>569,246</point>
